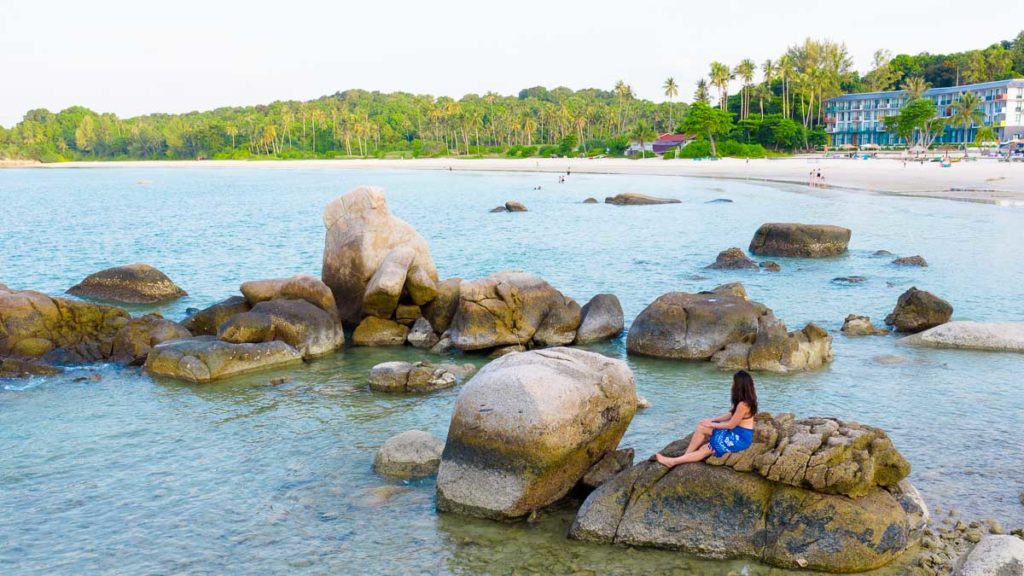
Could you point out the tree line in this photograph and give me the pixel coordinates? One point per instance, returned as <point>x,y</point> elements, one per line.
<point>779,105</point>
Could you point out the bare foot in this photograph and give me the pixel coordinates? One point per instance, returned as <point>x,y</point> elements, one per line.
<point>662,460</point>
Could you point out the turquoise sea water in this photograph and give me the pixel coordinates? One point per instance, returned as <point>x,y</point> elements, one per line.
<point>133,476</point>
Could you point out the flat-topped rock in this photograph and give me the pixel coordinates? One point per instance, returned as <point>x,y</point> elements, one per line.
<point>409,455</point>
<point>720,513</point>
<point>826,455</point>
<point>205,358</point>
<point>635,199</point>
<point>803,240</point>
<point>965,335</point>
<point>130,284</point>
<point>528,426</point>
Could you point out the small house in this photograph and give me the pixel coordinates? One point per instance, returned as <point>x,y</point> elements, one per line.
<point>667,142</point>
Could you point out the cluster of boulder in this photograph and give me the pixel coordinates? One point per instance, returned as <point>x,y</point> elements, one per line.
<point>39,332</point>
<point>725,327</point>
<point>815,493</point>
<point>276,323</point>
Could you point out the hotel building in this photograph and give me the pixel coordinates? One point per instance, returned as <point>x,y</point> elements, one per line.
<point>857,119</point>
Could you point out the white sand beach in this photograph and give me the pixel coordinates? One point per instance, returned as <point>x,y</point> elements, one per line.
<point>985,181</point>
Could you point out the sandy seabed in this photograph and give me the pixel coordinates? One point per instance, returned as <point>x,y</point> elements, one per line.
<point>985,180</point>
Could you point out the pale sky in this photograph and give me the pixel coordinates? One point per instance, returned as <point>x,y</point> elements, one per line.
<point>135,57</point>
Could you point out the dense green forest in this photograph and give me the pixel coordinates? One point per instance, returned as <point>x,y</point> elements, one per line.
<point>778,107</point>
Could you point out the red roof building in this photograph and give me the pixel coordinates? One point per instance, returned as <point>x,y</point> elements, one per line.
<point>667,142</point>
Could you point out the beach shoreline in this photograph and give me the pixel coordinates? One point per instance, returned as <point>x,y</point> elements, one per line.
<point>985,181</point>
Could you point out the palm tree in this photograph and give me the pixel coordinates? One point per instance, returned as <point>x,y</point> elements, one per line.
<point>745,70</point>
<point>720,77</point>
<point>967,112</point>
<point>623,91</point>
<point>642,132</point>
<point>230,130</point>
<point>768,70</point>
<point>671,91</point>
<point>915,87</point>
<point>701,94</point>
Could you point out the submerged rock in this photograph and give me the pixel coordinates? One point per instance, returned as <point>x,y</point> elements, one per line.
<point>23,367</point>
<point>767,505</point>
<point>964,335</point>
<point>590,201</point>
<point>135,339</point>
<point>409,455</point>
<point>361,232</point>
<point>804,240</point>
<point>770,266</point>
<point>205,358</point>
<point>635,199</point>
<point>601,319</point>
<point>417,377</point>
<point>918,310</point>
<point>849,280</point>
<point>206,322</point>
<point>34,325</point>
<point>528,426</point>
<point>131,284</point>
<point>911,261</point>
<point>855,325</point>
<point>512,308</point>
<point>733,259</point>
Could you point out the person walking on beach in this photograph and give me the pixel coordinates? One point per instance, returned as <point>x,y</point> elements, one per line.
<point>730,432</point>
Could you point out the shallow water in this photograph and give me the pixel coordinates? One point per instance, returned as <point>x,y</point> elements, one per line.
<point>131,475</point>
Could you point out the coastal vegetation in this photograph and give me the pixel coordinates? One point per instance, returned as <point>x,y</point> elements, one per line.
<point>779,107</point>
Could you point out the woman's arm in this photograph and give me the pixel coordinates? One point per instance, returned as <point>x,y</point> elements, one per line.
<point>734,420</point>
<point>709,422</point>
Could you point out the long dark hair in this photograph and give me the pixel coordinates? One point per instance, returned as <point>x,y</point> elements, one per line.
<point>743,391</point>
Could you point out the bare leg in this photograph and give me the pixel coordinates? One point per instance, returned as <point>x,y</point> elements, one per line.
<point>700,437</point>
<point>698,455</point>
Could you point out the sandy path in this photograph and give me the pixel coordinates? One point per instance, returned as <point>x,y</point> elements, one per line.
<point>984,181</point>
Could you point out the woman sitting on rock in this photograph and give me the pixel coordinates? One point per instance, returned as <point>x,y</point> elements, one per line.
<point>731,432</point>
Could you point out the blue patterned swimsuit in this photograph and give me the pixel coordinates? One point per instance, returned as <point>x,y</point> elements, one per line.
<point>732,440</point>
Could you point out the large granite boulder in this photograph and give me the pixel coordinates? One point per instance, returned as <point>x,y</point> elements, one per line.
<point>600,319</point>
<point>528,426</point>
<point>298,287</point>
<point>918,310</point>
<point>307,328</point>
<point>207,321</point>
<point>964,335</point>
<point>636,199</point>
<point>131,284</point>
<point>135,339</point>
<point>729,509</point>
<point>685,326</point>
<point>994,555</point>
<point>205,358</point>
<point>805,240</point>
<point>34,325</point>
<point>410,455</point>
<point>733,259</point>
<point>512,308</point>
<point>361,233</point>
<point>725,327</point>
